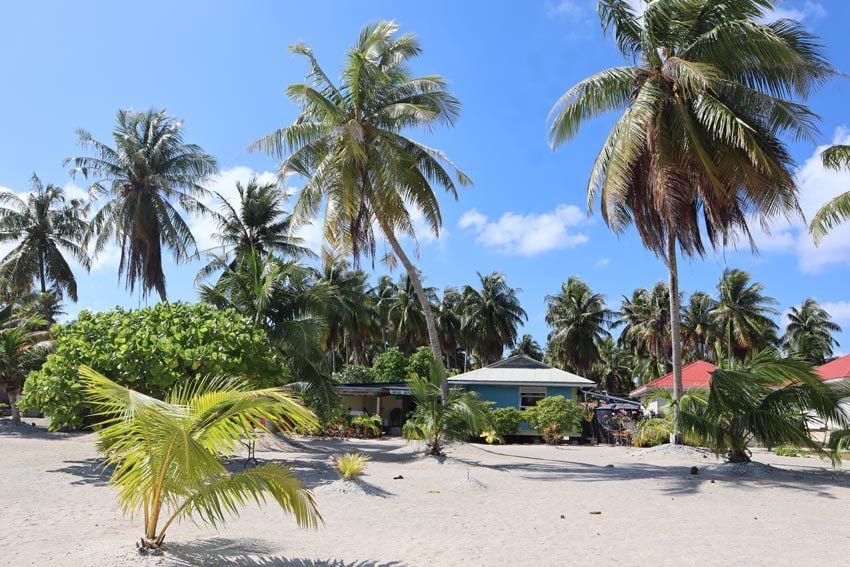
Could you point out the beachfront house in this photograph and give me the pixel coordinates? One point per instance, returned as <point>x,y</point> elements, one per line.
<point>695,376</point>
<point>518,381</point>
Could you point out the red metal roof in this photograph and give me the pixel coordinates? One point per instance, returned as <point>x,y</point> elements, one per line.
<point>838,368</point>
<point>694,375</point>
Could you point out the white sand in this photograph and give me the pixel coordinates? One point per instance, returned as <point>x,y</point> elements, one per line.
<point>514,505</point>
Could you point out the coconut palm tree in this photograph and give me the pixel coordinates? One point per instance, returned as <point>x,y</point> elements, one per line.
<point>166,453</point>
<point>350,144</point>
<point>383,295</point>
<point>837,210</point>
<point>347,312</point>
<point>646,321</point>
<point>529,347</point>
<point>697,147</point>
<point>698,326</point>
<point>407,315</point>
<point>450,327</point>
<point>146,178</point>
<point>809,332</point>
<point>614,370</point>
<point>491,316</point>
<point>769,399</point>
<point>579,320</point>
<point>46,226</point>
<point>743,314</point>
<point>256,222</point>
<point>435,420</point>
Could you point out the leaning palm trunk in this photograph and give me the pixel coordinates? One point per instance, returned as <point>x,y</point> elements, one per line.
<point>675,336</point>
<point>430,323</point>
<point>13,405</point>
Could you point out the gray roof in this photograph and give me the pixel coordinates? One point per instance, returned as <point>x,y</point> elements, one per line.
<point>521,370</point>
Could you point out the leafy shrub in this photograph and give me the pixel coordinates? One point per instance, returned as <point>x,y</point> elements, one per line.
<point>506,421</point>
<point>839,439</point>
<point>149,350</point>
<point>652,432</point>
<point>421,362</point>
<point>367,425</point>
<point>390,366</point>
<point>355,374</point>
<point>565,414</point>
<point>787,451</point>
<point>351,465</point>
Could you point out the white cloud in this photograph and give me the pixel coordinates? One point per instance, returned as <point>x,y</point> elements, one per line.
<point>601,262</point>
<point>570,9</point>
<point>796,10</point>
<point>529,234</point>
<point>839,310</point>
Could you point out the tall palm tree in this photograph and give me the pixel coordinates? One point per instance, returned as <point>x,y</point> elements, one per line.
<point>579,320</point>
<point>614,370</point>
<point>837,210</point>
<point>383,294</point>
<point>646,321</point>
<point>809,332</point>
<point>350,145</point>
<point>256,222</point>
<point>407,315</point>
<point>698,326</point>
<point>492,316</point>
<point>347,312</point>
<point>146,177</point>
<point>46,226</point>
<point>743,314</point>
<point>450,326</point>
<point>529,347</point>
<point>697,147</point>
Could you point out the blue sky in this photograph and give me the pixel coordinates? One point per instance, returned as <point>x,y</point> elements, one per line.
<point>223,67</point>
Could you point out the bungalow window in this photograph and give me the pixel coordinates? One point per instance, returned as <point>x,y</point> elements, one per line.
<point>530,395</point>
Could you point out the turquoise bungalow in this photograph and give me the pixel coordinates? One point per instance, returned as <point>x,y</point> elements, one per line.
<point>521,382</point>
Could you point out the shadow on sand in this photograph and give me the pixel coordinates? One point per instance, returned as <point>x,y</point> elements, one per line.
<point>89,471</point>
<point>678,479</point>
<point>26,430</point>
<point>219,551</point>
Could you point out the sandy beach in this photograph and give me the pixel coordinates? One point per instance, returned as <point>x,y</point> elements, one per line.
<point>481,505</point>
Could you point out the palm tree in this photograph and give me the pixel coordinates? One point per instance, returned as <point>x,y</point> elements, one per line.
<point>145,177</point>
<point>46,226</point>
<point>347,312</point>
<point>646,327</point>
<point>407,315</point>
<point>165,453</point>
<point>698,142</point>
<point>578,319</point>
<point>23,348</point>
<point>615,369</point>
<point>698,326</point>
<point>529,347</point>
<point>436,420</point>
<point>837,210</point>
<point>492,316</point>
<point>743,314</point>
<point>450,326</point>
<point>809,332</point>
<point>257,222</point>
<point>769,399</point>
<point>383,296</point>
<point>350,145</point>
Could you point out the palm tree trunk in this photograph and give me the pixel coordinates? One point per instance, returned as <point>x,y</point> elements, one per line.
<point>675,335</point>
<point>430,323</point>
<point>13,405</point>
<point>42,274</point>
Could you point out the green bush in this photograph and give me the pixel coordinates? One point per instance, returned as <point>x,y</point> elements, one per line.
<point>421,362</point>
<point>787,451</point>
<point>355,374</point>
<point>565,414</point>
<point>839,438</point>
<point>149,350</point>
<point>505,421</point>
<point>652,432</point>
<point>390,366</point>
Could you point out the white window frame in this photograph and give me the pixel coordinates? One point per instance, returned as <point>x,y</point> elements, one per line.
<point>536,390</point>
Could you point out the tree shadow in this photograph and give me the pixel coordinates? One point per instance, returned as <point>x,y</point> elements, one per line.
<point>90,471</point>
<point>677,479</point>
<point>218,551</point>
<point>26,430</point>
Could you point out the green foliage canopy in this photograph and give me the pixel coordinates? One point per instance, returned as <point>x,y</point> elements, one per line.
<point>558,410</point>
<point>149,350</point>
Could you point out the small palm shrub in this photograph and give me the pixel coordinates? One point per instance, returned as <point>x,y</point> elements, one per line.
<point>490,436</point>
<point>165,453</point>
<point>367,425</point>
<point>839,440</point>
<point>652,432</point>
<point>350,465</point>
<point>552,434</point>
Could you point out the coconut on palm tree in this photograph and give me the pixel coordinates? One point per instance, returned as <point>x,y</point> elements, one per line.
<point>146,178</point>
<point>257,221</point>
<point>579,320</point>
<point>708,91</point>
<point>743,315</point>
<point>809,333</point>
<point>47,226</point>
<point>837,210</point>
<point>350,144</point>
